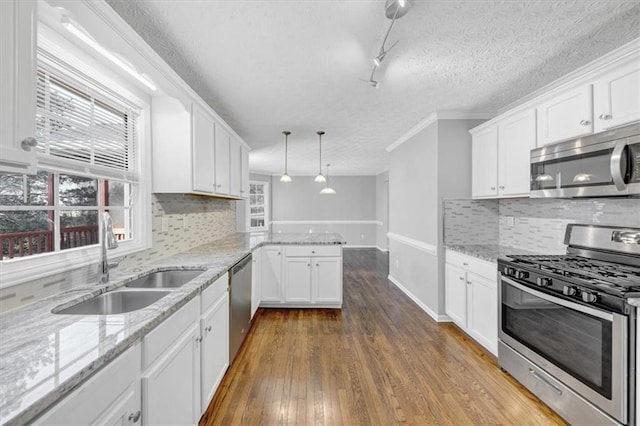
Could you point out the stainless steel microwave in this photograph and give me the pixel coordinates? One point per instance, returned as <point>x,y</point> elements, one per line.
<point>604,164</point>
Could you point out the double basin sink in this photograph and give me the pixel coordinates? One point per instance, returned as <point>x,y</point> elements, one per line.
<point>137,294</point>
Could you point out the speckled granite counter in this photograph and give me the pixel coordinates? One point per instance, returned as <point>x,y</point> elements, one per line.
<point>490,252</point>
<point>43,356</point>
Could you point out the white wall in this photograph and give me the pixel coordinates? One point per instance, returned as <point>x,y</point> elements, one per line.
<point>382,210</point>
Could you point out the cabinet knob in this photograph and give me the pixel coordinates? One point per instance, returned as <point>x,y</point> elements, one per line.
<point>134,417</point>
<point>313,251</point>
<point>493,188</point>
<point>465,264</point>
<point>605,117</point>
<point>585,122</point>
<point>278,253</point>
<point>317,264</point>
<point>461,279</point>
<point>207,329</point>
<point>198,339</point>
<point>468,282</point>
<point>309,265</point>
<point>501,186</point>
<point>28,143</point>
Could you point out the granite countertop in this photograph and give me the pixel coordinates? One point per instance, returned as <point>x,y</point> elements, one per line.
<point>488,252</point>
<point>44,356</point>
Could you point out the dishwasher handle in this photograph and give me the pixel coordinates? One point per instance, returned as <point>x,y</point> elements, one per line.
<point>241,264</point>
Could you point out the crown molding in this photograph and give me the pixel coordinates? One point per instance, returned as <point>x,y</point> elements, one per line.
<point>435,116</point>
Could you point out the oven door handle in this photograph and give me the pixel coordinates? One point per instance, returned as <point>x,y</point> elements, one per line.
<point>616,164</point>
<point>585,309</point>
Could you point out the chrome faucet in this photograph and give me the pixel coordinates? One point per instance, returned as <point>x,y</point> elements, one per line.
<point>108,241</point>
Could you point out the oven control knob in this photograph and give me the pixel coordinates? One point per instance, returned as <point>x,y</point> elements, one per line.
<point>508,271</point>
<point>569,290</point>
<point>589,297</point>
<point>521,275</point>
<point>543,282</point>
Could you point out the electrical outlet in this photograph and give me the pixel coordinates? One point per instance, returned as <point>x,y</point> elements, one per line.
<point>511,222</point>
<point>165,224</point>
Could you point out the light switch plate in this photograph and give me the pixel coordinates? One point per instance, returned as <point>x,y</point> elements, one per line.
<point>511,221</point>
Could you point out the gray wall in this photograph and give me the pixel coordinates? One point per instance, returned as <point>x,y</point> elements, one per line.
<point>382,210</point>
<point>298,206</point>
<point>433,165</point>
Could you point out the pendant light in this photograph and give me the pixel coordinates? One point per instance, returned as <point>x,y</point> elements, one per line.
<point>285,176</point>
<point>320,177</point>
<point>327,189</point>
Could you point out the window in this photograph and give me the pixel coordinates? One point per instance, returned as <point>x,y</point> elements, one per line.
<point>89,162</point>
<point>258,206</point>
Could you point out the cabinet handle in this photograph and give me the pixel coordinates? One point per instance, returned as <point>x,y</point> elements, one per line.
<point>501,186</point>
<point>465,264</point>
<point>278,253</point>
<point>28,143</point>
<point>493,188</point>
<point>309,265</point>
<point>134,417</point>
<point>198,339</point>
<point>605,117</point>
<point>317,264</point>
<point>585,122</point>
<point>468,282</point>
<point>461,279</point>
<point>207,329</point>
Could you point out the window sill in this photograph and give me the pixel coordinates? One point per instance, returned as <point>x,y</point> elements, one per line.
<point>18,271</point>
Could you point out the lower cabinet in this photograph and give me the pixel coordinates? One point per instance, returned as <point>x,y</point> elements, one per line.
<point>271,274</point>
<point>471,297</point>
<point>110,397</point>
<point>256,280</point>
<point>214,355</point>
<point>297,278</point>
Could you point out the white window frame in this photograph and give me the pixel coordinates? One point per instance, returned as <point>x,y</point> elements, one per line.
<point>24,269</point>
<point>267,196</point>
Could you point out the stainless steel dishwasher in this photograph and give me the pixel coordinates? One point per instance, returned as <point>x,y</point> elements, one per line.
<point>240,304</point>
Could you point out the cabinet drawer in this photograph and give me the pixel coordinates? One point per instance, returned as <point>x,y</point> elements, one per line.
<point>312,251</point>
<point>213,292</point>
<point>163,336</point>
<point>473,264</point>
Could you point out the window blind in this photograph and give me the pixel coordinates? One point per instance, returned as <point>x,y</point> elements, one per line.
<point>82,128</point>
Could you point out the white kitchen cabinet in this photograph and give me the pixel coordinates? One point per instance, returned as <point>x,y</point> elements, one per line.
<point>171,387</point>
<point>203,150</point>
<point>471,297</point>
<point>222,154</point>
<point>484,166</point>
<point>271,275</point>
<point>244,166</point>
<point>111,396</point>
<point>456,295</point>
<point>566,115</point>
<point>516,139</point>
<point>256,280</point>
<point>326,279</point>
<point>18,86</point>
<point>297,279</point>
<point>235,168</point>
<point>215,348</point>
<point>616,96</point>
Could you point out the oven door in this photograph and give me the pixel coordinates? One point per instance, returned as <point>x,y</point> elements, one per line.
<point>583,347</point>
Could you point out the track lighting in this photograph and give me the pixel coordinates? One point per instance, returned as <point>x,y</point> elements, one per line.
<point>285,176</point>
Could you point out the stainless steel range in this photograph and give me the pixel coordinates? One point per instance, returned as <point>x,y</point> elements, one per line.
<point>567,324</point>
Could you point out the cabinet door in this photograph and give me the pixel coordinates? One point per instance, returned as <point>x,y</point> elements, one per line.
<point>297,279</point>
<point>516,139</point>
<point>17,85</point>
<point>222,160</point>
<point>245,172</point>
<point>235,164</point>
<point>171,387</point>
<point>214,355</point>
<point>482,301</point>
<point>456,295</point>
<point>617,97</point>
<point>327,279</point>
<point>203,155</point>
<point>256,276</point>
<point>126,411</point>
<point>271,276</point>
<point>484,163</point>
<point>567,115</point>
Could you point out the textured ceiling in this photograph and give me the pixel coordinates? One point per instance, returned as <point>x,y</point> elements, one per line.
<point>266,66</point>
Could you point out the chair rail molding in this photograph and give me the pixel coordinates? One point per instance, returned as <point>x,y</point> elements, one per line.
<point>422,246</point>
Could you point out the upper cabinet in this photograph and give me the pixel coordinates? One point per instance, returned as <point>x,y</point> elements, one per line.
<point>566,115</point>
<point>484,167</point>
<point>18,86</point>
<point>616,96</point>
<point>192,152</point>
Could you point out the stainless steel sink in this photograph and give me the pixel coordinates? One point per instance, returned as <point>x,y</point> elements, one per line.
<point>165,279</point>
<point>115,302</point>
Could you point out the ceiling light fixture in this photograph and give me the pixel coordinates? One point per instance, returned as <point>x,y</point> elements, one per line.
<point>285,176</point>
<point>320,177</point>
<point>327,189</point>
<point>394,9</point>
<point>80,33</point>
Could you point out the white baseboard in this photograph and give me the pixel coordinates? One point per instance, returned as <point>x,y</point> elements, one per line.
<point>382,249</point>
<point>355,246</point>
<point>429,311</point>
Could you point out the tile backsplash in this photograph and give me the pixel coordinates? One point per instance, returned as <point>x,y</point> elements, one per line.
<point>191,221</point>
<point>532,224</point>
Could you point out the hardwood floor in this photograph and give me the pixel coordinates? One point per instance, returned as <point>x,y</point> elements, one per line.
<point>379,361</point>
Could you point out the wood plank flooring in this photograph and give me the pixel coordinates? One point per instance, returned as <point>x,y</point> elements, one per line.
<point>379,361</point>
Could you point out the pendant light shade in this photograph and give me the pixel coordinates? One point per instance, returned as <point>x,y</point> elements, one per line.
<point>327,189</point>
<point>320,178</point>
<point>285,176</point>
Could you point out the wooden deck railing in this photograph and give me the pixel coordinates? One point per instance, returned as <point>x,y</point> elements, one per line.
<point>20,244</point>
